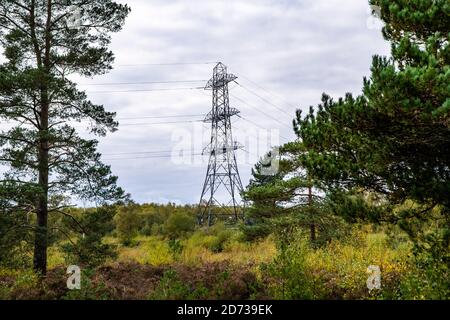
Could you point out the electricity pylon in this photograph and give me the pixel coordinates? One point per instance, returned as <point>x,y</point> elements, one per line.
<point>222,173</point>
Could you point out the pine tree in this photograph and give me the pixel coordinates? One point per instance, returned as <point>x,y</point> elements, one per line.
<point>45,42</point>
<point>287,200</point>
<point>393,140</point>
<point>262,206</point>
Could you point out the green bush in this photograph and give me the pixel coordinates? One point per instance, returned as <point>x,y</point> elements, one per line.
<point>127,222</point>
<point>176,247</point>
<point>16,243</point>
<point>178,225</point>
<point>89,290</point>
<point>290,279</point>
<point>221,236</point>
<point>171,287</point>
<point>429,279</point>
<point>89,249</point>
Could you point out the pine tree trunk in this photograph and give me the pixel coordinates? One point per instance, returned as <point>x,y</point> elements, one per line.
<point>312,226</point>
<point>40,242</point>
<point>41,236</point>
<point>313,232</point>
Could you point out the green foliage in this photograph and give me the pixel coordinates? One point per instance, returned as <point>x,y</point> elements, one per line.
<point>427,280</point>
<point>268,196</point>
<point>127,224</point>
<point>221,235</point>
<point>176,246</point>
<point>15,239</point>
<point>215,238</point>
<point>179,224</point>
<point>89,290</point>
<point>171,287</point>
<point>41,149</point>
<point>154,220</point>
<point>90,250</point>
<point>24,280</point>
<point>392,142</point>
<point>290,270</point>
<point>288,200</point>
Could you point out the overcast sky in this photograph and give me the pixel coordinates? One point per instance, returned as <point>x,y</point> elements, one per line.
<point>287,51</point>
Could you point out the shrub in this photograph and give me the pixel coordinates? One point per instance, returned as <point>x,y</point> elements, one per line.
<point>16,243</point>
<point>171,287</point>
<point>127,222</point>
<point>289,271</point>
<point>155,251</point>
<point>179,224</point>
<point>222,235</point>
<point>89,290</point>
<point>90,249</point>
<point>208,281</point>
<point>427,279</point>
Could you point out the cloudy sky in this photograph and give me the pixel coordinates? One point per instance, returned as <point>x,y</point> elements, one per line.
<point>284,52</point>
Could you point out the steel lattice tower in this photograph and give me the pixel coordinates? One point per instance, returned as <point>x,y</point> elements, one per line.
<point>222,173</point>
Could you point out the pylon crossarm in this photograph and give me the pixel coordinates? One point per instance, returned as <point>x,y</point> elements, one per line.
<point>221,115</point>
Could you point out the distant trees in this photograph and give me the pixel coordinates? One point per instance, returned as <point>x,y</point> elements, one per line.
<point>44,42</point>
<point>127,223</point>
<point>168,220</point>
<point>179,224</point>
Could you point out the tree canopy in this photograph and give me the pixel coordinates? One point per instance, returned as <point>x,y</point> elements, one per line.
<point>393,140</point>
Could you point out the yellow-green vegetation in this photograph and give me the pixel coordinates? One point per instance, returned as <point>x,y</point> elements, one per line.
<point>203,247</point>
<point>55,257</point>
<point>152,250</point>
<point>291,270</point>
<point>157,257</point>
<point>345,264</point>
<point>200,247</point>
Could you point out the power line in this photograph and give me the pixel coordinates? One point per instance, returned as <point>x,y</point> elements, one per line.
<point>261,127</point>
<point>141,152</point>
<point>270,92</point>
<point>163,117</point>
<point>147,90</point>
<point>264,99</point>
<point>150,123</point>
<point>165,64</point>
<point>157,123</point>
<point>137,83</point>
<point>156,117</point>
<point>251,106</point>
<point>151,157</point>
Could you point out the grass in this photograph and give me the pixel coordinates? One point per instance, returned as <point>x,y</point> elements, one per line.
<point>196,250</point>
<point>55,258</point>
<point>150,250</point>
<point>345,264</point>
